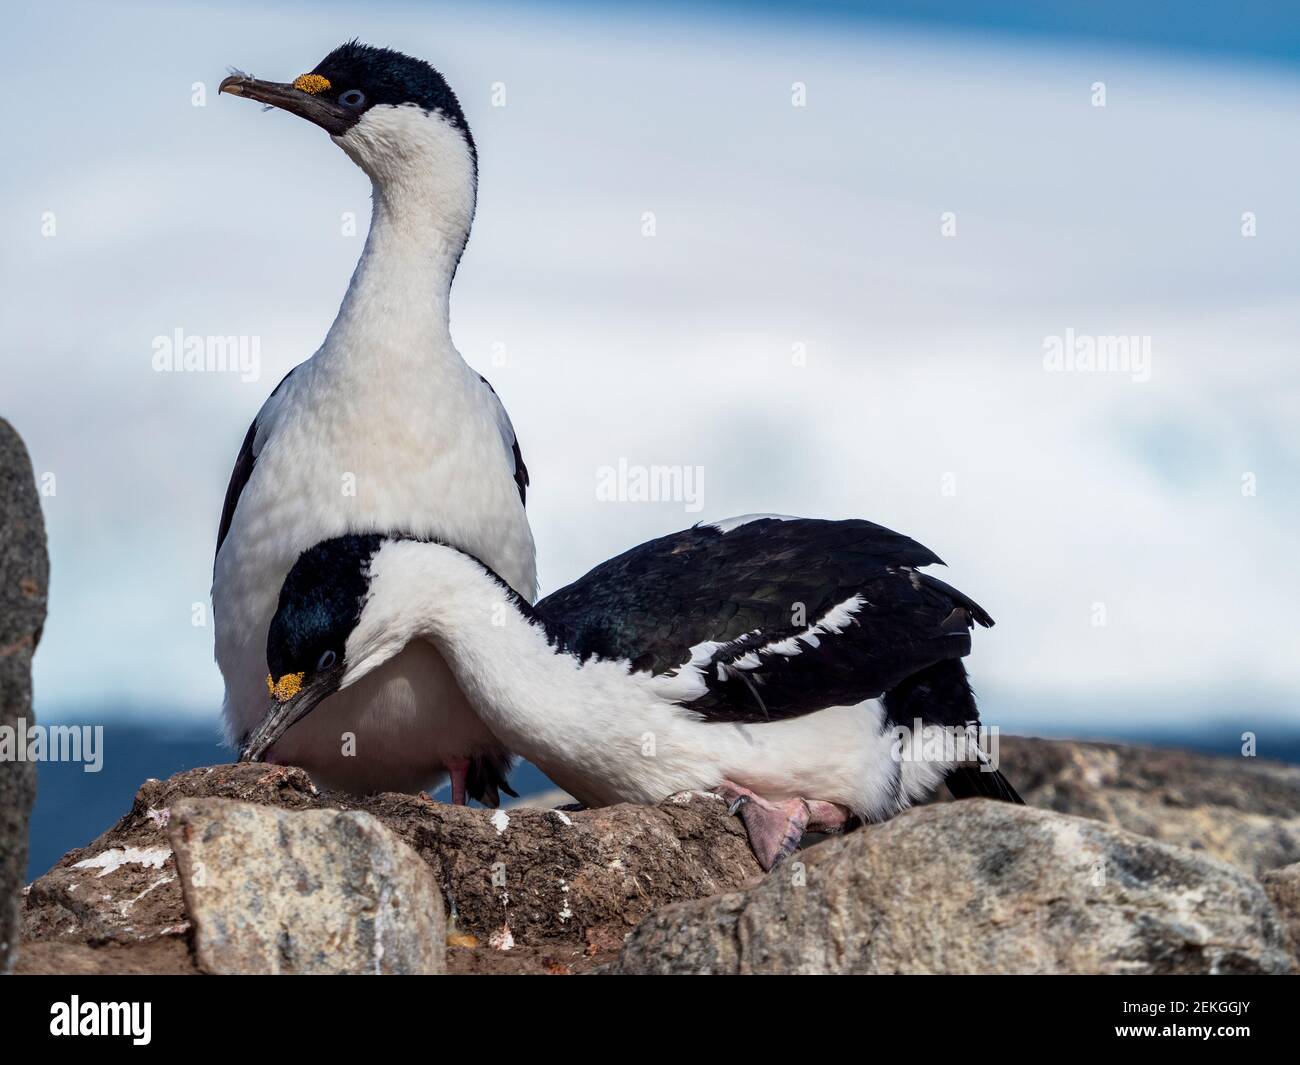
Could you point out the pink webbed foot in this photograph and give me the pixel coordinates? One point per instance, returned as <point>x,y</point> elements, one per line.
<point>459,771</point>
<point>828,817</point>
<point>775,829</point>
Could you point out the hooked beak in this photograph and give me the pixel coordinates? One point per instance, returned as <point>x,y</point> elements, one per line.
<point>290,703</point>
<point>331,117</point>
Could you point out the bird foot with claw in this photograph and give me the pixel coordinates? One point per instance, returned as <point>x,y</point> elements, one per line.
<point>775,829</point>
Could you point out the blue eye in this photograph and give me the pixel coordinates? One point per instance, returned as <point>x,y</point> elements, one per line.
<point>326,661</point>
<point>353,98</point>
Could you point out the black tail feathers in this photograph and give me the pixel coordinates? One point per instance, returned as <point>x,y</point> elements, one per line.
<point>941,694</point>
<point>970,781</point>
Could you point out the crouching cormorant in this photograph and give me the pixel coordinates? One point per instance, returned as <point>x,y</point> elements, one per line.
<point>769,660</point>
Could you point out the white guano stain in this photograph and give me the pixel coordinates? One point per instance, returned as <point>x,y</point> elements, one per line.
<point>501,820</point>
<point>126,906</point>
<point>115,857</point>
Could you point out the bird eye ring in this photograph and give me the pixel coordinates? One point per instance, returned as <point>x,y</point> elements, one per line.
<point>353,98</point>
<point>326,660</point>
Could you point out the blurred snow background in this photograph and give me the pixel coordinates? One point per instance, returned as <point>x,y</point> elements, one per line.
<point>799,325</point>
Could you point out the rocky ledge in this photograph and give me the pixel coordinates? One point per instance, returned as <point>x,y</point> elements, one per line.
<point>1127,860</point>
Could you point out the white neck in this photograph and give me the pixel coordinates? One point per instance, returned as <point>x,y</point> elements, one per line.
<point>603,734</point>
<point>535,698</point>
<point>424,189</point>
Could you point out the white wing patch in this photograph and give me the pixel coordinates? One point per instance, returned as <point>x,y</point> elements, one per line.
<point>832,623</point>
<point>689,682</point>
<point>686,682</point>
<point>728,524</point>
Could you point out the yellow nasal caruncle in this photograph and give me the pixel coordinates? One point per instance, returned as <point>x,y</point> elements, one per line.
<point>289,686</point>
<point>312,83</point>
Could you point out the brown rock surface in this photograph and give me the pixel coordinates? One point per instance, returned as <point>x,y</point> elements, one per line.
<point>567,886</point>
<point>1283,887</point>
<point>168,956</point>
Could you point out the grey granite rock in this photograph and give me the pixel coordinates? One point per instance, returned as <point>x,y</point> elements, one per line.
<point>24,576</point>
<point>976,887</point>
<point>1242,810</point>
<point>312,892</point>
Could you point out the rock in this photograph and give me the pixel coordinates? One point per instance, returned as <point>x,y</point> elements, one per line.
<point>531,889</point>
<point>1242,810</point>
<point>158,957</point>
<point>561,887</point>
<point>1283,887</point>
<point>976,887</point>
<point>24,577</point>
<point>313,892</point>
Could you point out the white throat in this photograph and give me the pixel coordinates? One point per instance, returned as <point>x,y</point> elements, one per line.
<point>424,191</point>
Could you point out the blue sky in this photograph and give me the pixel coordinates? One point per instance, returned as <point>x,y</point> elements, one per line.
<point>1252,29</point>
<point>921,402</point>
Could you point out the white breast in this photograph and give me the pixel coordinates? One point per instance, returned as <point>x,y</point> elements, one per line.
<point>385,429</point>
<point>341,454</point>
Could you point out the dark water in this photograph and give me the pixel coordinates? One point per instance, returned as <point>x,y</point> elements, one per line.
<point>73,806</point>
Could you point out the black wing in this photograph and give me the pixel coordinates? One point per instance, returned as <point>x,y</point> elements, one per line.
<point>521,471</point>
<point>243,470</point>
<point>508,435</point>
<point>776,617</point>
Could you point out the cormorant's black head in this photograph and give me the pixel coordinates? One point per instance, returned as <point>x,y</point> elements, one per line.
<point>320,603</point>
<point>306,647</point>
<point>352,80</point>
<point>399,121</point>
<point>362,76</point>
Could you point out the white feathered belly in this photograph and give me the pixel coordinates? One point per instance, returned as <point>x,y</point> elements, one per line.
<point>442,474</point>
<point>391,731</point>
<point>840,754</point>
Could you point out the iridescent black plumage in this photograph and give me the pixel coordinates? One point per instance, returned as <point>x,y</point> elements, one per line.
<point>760,585</point>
